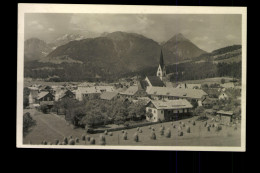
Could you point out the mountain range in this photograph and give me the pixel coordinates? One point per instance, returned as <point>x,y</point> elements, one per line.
<point>110,53</point>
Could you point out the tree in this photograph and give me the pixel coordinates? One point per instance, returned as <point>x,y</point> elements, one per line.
<point>199,111</point>
<point>26,93</point>
<point>44,108</point>
<point>28,123</point>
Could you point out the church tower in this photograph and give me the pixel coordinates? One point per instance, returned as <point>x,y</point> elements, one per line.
<point>161,72</point>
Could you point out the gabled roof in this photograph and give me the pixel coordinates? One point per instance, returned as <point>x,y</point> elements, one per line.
<point>130,91</point>
<point>155,81</point>
<point>94,89</point>
<point>176,92</point>
<point>108,95</point>
<point>171,104</point>
<point>42,94</point>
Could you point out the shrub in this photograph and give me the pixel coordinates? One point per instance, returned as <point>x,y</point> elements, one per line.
<point>189,121</point>
<point>180,122</point>
<point>188,129</point>
<point>126,132</point>
<point>180,133</point>
<point>153,129</point>
<point>125,136</point>
<point>174,126</point>
<point>110,133</point>
<point>70,137</point>
<point>88,138</point>
<point>168,133</point>
<point>77,140</point>
<point>153,136</point>
<point>71,142</point>
<point>205,124</point>
<point>194,123</point>
<point>149,127</point>
<point>92,141</point>
<point>65,140</point>
<point>123,131</point>
<point>213,125</point>
<point>208,128</point>
<point>102,140</point>
<point>56,142</point>
<point>179,128</point>
<point>83,138</point>
<point>136,137</point>
<point>183,125</point>
<point>140,130</point>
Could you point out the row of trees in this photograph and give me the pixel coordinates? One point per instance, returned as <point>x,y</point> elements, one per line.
<point>96,112</point>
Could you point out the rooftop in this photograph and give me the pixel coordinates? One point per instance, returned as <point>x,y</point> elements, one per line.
<point>155,81</point>
<point>171,104</point>
<point>176,92</point>
<point>130,91</point>
<point>108,95</point>
<point>225,112</point>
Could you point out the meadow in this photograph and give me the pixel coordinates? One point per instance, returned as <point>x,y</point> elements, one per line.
<point>51,127</point>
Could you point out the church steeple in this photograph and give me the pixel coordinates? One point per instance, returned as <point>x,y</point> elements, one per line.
<point>161,60</point>
<point>161,72</point>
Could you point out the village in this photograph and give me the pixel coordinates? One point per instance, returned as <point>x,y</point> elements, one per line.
<point>148,101</point>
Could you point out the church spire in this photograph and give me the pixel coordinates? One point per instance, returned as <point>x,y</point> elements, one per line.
<point>161,60</point>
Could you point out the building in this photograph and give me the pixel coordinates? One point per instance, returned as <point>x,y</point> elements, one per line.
<point>154,81</point>
<point>91,92</point>
<point>109,96</point>
<point>189,86</point>
<point>169,93</point>
<point>228,85</point>
<point>45,96</point>
<point>161,71</point>
<point>133,92</point>
<point>62,94</point>
<point>167,110</point>
<point>33,97</point>
<point>225,116</point>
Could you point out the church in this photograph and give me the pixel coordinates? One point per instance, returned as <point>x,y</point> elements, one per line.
<point>159,79</point>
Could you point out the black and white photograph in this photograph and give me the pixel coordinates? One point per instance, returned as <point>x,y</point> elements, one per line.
<point>131,77</point>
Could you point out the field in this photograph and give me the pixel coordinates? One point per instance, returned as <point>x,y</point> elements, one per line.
<point>50,127</point>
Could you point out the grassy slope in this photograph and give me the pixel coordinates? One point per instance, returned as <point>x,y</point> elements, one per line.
<point>51,127</point>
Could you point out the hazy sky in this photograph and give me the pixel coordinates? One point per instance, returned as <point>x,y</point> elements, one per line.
<point>208,32</point>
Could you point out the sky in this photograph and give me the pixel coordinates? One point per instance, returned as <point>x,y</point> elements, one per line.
<point>207,31</point>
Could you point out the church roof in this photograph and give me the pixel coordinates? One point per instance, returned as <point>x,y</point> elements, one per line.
<point>155,81</point>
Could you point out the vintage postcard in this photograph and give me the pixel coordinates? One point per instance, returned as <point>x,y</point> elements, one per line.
<point>131,77</point>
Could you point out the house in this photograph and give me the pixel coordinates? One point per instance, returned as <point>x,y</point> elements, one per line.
<point>45,88</point>
<point>212,92</point>
<point>132,92</point>
<point>209,102</point>
<point>170,93</point>
<point>92,91</point>
<point>189,86</point>
<point>166,110</point>
<point>45,96</point>
<point>62,94</point>
<point>109,96</point>
<point>225,116</point>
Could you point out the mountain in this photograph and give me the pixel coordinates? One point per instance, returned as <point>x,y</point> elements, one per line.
<point>114,52</point>
<point>65,38</point>
<point>35,48</point>
<point>226,54</point>
<point>180,48</point>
